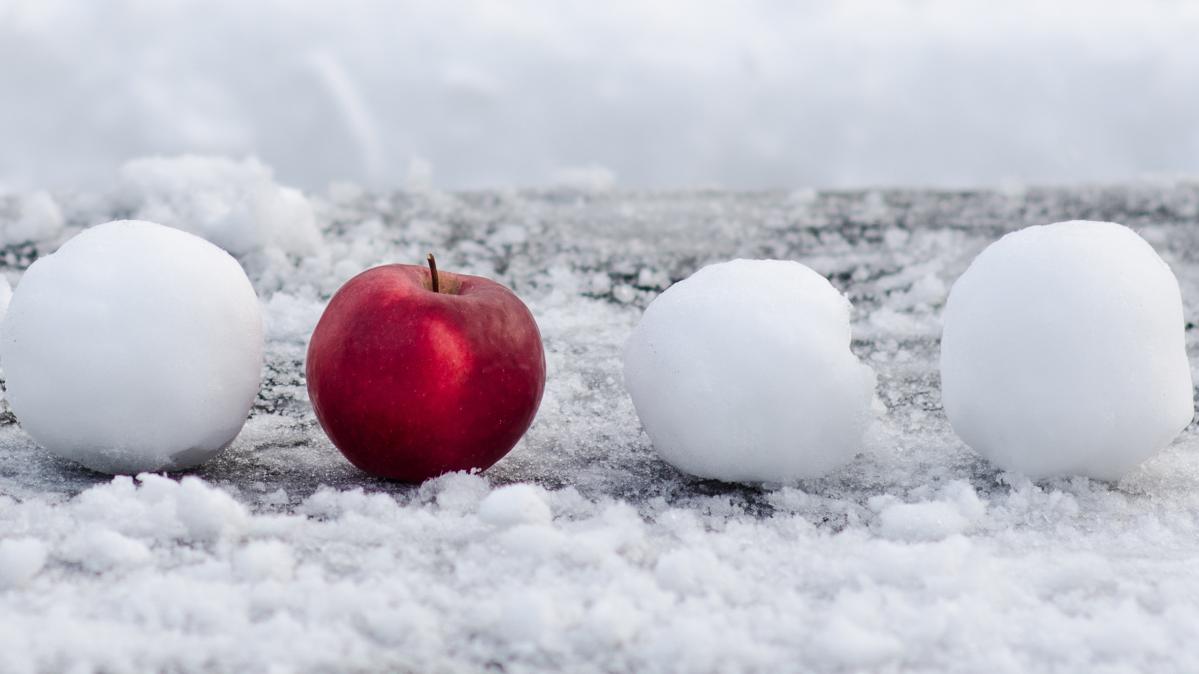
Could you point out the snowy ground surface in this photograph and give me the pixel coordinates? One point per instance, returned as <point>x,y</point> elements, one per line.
<point>582,551</point>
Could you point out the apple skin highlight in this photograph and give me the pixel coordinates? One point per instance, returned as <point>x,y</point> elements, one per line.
<point>410,383</point>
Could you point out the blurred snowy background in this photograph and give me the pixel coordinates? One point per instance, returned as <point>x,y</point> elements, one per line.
<point>670,93</point>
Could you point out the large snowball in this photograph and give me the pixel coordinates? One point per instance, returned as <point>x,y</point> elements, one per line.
<point>134,347</point>
<point>743,372</point>
<point>1063,352</point>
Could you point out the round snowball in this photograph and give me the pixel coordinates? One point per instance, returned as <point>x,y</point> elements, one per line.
<point>743,373</point>
<point>1063,352</point>
<point>134,347</point>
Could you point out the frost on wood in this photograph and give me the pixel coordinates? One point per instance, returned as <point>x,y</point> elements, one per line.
<point>582,547</point>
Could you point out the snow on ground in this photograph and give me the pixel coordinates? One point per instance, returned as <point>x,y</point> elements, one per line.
<point>582,551</point>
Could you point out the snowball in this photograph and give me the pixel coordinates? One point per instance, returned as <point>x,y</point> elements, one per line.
<point>20,560</point>
<point>1063,352</point>
<point>134,347</point>
<point>515,504</point>
<point>743,372</point>
<point>234,204</point>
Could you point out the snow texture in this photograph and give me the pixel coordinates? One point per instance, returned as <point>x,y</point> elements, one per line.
<point>918,555</point>
<point>133,347</point>
<point>1064,352</point>
<point>742,372</point>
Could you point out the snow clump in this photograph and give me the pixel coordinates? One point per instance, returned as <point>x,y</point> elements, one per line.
<point>39,217</point>
<point>235,204</point>
<point>20,560</point>
<point>134,347</point>
<point>515,504</point>
<point>1064,352</point>
<point>743,372</point>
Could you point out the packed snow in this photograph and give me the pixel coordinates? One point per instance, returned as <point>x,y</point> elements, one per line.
<point>582,550</point>
<point>1064,352</point>
<point>742,372</point>
<point>133,347</point>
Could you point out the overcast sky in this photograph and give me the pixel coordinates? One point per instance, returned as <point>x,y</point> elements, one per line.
<point>637,94</point>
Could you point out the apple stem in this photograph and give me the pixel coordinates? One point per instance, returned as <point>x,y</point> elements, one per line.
<point>433,273</point>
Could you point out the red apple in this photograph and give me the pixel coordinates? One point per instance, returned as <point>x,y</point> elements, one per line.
<point>414,372</point>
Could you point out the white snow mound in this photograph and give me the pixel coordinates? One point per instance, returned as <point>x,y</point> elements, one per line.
<point>134,347</point>
<point>515,504</point>
<point>743,372</point>
<point>235,204</point>
<point>40,218</point>
<point>20,560</point>
<point>1064,352</point>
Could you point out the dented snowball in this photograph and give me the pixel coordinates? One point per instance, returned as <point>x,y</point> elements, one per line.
<point>1063,352</point>
<point>743,372</point>
<point>134,347</point>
